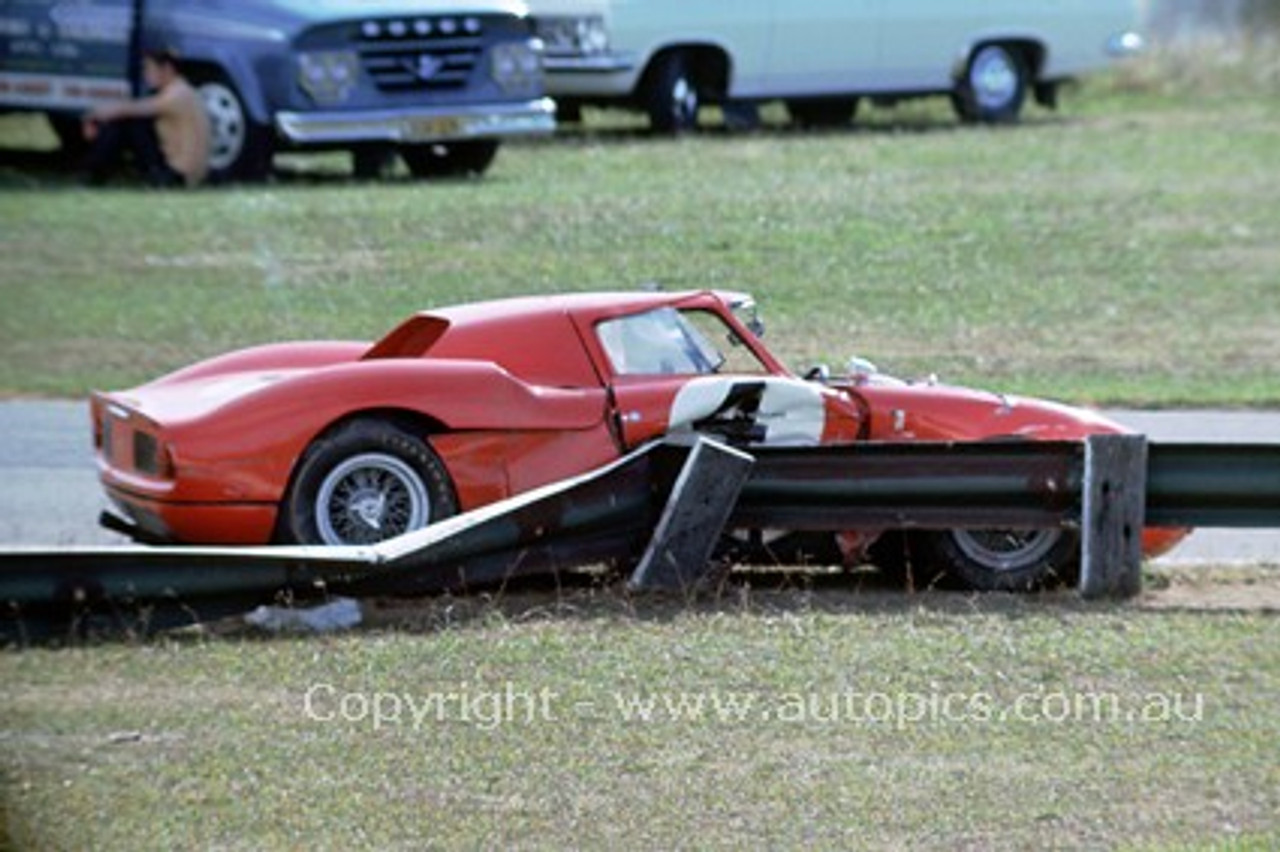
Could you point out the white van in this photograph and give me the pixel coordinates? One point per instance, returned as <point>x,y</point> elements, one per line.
<point>669,57</point>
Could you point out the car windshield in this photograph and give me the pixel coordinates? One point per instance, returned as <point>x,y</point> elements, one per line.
<point>670,342</point>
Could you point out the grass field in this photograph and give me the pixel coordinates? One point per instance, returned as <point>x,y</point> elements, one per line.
<point>1124,250</point>
<point>833,719</point>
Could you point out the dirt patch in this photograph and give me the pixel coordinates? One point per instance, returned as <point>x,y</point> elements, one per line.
<point>1244,588</point>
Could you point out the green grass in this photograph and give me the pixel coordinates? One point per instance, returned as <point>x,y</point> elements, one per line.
<point>210,743</point>
<point>1123,250</point>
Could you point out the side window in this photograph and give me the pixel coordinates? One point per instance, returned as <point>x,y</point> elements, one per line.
<point>670,342</point>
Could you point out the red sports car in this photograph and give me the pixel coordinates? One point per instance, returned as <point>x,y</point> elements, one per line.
<point>351,443</point>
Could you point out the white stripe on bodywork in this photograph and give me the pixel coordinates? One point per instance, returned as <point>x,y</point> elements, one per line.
<point>791,411</point>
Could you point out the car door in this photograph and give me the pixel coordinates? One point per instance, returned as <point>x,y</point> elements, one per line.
<point>922,41</point>
<point>824,47</point>
<point>688,371</point>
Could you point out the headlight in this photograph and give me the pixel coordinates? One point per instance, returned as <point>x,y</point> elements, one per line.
<point>517,66</point>
<point>328,76</point>
<point>565,36</point>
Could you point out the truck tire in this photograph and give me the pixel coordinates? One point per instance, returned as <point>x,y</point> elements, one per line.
<point>449,159</point>
<point>70,132</point>
<point>241,148</point>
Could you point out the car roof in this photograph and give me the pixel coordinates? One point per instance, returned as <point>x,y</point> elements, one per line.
<point>593,305</point>
<point>534,337</point>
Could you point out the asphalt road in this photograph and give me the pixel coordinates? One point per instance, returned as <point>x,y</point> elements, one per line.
<point>49,494</point>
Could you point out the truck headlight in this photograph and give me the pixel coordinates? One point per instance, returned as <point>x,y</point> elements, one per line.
<point>328,76</point>
<point>517,66</point>
<point>573,36</point>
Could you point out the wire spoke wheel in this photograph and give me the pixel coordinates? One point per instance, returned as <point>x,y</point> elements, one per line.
<point>369,498</point>
<point>1006,550</point>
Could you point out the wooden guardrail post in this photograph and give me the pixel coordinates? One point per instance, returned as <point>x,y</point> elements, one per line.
<point>696,512</point>
<point>1113,515</point>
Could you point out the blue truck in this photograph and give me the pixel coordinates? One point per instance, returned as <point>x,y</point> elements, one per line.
<point>438,82</point>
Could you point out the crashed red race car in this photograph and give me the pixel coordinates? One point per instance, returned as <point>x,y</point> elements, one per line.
<point>352,443</point>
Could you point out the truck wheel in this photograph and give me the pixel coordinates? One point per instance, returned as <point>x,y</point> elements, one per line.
<point>240,148</point>
<point>70,132</point>
<point>822,112</point>
<point>671,97</point>
<point>449,159</point>
<point>1001,560</point>
<point>994,86</point>
<point>366,482</point>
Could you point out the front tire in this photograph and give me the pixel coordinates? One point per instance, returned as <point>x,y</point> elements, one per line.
<point>239,147</point>
<point>449,159</point>
<point>672,98</point>
<point>994,86</point>
<point>1000,560</point>
<point>366,482</point>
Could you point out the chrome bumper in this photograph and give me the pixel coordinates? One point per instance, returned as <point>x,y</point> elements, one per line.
<point>427,124</point>
<point>611,63</point>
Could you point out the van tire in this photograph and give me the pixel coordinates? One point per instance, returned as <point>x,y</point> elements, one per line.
<point>672,97</point>
<point>994,86</point>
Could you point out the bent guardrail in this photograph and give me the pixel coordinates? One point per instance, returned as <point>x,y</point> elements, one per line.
<point>668,504</point>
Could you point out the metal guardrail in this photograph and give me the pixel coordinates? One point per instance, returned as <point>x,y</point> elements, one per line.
<point>668,504</point>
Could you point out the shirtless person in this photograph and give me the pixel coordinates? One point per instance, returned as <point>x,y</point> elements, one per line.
<point>167,131</point>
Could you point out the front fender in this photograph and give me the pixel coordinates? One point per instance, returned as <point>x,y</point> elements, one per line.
<point>927,412</point>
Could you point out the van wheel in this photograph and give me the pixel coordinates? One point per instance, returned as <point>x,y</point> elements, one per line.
<point>672,98</point>
<point>239,147</point>
<point>367,481</point>
<point>449,159</point>
<point>994,86</point>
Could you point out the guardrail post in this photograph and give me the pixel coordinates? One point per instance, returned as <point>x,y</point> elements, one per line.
<point>697,510</point>
<point>1113,515</point>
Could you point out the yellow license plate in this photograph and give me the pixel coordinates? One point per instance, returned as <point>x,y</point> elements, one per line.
<point>433,128</point>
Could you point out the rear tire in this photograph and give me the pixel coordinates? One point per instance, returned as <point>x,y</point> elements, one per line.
<point>449,159</point>
<point>365,482</point>
<point>994,86</point>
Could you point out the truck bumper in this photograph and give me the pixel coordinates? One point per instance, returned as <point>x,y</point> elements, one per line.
<point>427,124</point>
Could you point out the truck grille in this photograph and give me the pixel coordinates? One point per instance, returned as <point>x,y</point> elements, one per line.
<point>422,54</point>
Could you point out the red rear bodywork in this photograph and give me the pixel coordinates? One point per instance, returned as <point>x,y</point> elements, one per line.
<point>511,395</point>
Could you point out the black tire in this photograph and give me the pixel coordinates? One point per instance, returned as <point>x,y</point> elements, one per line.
<point>994,86</point>
<point>672,97</point>
<point>999,560</point>
<point>240,149</point>
<point>449,159</point>
<point>366,481</point>
<point>69,129</point>
<point>822,112</point>
<point>371,162</point>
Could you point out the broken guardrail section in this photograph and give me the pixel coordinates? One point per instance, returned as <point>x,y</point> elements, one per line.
<point>666,505</point>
